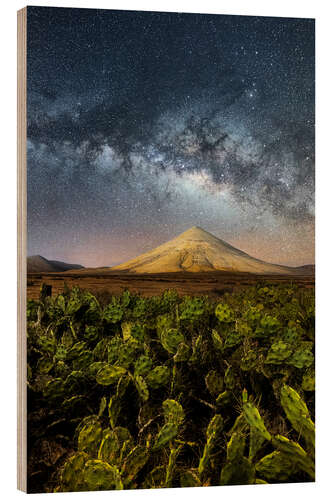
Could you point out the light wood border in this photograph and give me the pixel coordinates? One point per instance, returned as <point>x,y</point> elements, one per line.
<point>21,249</point>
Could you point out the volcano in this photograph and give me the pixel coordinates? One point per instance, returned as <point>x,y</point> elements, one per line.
<point>196,250</point>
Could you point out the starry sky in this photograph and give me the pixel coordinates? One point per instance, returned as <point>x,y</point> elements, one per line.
<point>141,125</point>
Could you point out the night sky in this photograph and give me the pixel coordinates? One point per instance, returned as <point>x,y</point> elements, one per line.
<point>141,125</point>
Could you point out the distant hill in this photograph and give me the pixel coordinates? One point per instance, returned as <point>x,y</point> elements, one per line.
<point>196,250</point>
<point>38,264</point>
<point>307,269</point>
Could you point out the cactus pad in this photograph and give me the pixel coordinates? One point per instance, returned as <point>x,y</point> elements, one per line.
<point>109,374</point>
<point>100,475</point>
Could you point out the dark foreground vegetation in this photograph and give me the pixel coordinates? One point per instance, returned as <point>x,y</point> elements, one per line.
<point>170,391</point>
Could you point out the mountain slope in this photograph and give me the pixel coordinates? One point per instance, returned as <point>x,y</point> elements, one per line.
<point>196,250</point>
<point>38,264</point>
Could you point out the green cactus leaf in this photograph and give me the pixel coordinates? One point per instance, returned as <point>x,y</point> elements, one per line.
<point>75,382</point>
<point>256,442</point>
<point>158,377</point>
<point>183,353</point>
<point>213,432</point>
<point>224,399</point>
<point>75,350</point>
<point>135,461</point>
<point>249,361</point>
<point>91,333</point>
<point>235,447</point>
<point>173,412</point>
<point>217,341</point>
<point>94,368</point>
<point>127,353</point>
<point>138,332</point>
<point>102,406</point>
<point>189,479</point>
<point>156,477</point>
<point>241,472</point>
<point>215,426</point>
<point>115,444</point>
<point>168,432</point>
<point>84,360</point>
<point>101,476</point>
<point>276,467</point>
<point>122,385</point>
<point>214,382</point>
<point>142,387</point>
<point>174,452</point>
<point>109,374</point>
<point>100,351</point>
<point>89,438</point>
<point>74,404</point>
<point>240,425</point>
<point>302,358</point>
<point>308,381</point>
<point>255,420</point>
<point>126,327</point>
<point>229,378</point>
<point>224,313</point>
<point>45,365</point>
<point>114,409</point>
<point>232,339</point>
<point>298,414</point>
<point>170,340</point>
<point>54,389</point>
<point>295,453</point>
<point>72,473</point>
<point>113,313</point>
<point>278,353</point>
<point>143,365</point>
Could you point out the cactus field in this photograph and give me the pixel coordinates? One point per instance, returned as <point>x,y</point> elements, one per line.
<point>170,391</point>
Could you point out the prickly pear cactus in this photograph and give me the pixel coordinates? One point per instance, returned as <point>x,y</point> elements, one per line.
<point>170,340</point>
<point>71,478</point>
<point>99,476</point>
<point>89,438</point>
<point>158,377</point>
<point>142,387</point>
<point>275,466</point>
<point>278,353</point>
<point>302,357</point>
<point>301,459</point>
<point>109,374</point>
<point>242,472</point>
<point>189,479</point>
<point>229,378</point>
<point>143,365</point>
<point>213,434</point>
<point>214,382</point>
<point>114,409</point>
<point>183,353</point>
<point>168,432</point>
<point>224,399</point>
<point>217,341</point>
<point>298,414</point>
<point>255,420</point>
<point>173,412</point>
<point>115,445</point>
<point>224,313</point>
<point>154,387</point>
<point>134,462</point>
<point>113,313</point>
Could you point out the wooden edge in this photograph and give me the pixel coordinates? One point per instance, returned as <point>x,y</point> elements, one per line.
<point>21,249</point>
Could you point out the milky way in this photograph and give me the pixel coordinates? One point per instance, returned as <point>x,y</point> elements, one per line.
<point>141,125</point>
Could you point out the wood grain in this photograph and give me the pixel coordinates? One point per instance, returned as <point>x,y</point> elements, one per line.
<point>21,249</point>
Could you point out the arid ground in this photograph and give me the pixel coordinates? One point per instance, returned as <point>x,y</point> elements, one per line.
<point>212,283</point>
